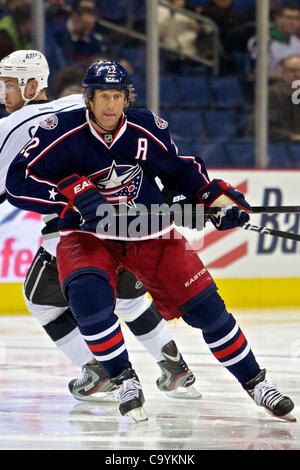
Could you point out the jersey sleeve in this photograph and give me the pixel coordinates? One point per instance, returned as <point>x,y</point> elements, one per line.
<point>32,177</point>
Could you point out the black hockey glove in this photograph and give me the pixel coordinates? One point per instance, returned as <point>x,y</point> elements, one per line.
<point>83,197</point>
<point>234,207</point>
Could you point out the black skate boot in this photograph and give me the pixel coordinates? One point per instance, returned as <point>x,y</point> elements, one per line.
<point>130,395</point>
<point>176,379</point>
<point>93,379</point>
<point>265,394</point>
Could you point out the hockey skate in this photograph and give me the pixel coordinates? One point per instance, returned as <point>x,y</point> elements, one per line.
<point>265,394</point>
<point>93,385</point>
<point>130,395</point>
<point>177,379</point>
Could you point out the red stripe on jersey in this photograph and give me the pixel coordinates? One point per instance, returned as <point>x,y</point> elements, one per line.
<point>72,131</point>
<point>107,344</point>
<point>230,349</point>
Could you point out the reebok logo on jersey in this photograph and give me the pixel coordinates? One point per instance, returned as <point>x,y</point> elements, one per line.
<point>195,277</point>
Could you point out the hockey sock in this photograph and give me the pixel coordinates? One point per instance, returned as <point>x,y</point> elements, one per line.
<point>151,330</point>
<point>223,336</point>
<point>66,336</point>
<point>229,345</point>
<point>92,302</point>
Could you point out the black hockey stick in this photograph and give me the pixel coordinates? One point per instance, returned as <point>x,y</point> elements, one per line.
<point>251,227</point>
<point>271,231</point>
<point>266,210</point>
<point>263,210</point>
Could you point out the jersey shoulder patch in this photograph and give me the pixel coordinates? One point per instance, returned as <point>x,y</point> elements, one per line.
<point>49,123</point>
<point>146,117</point>
<point>160,122</point>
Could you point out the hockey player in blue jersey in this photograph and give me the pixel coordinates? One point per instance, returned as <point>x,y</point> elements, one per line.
<point>24,75</point>
<point>81,162</point>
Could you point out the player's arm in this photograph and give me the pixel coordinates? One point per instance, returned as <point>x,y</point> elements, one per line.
<point>32,178</point>
<point>188,176</point>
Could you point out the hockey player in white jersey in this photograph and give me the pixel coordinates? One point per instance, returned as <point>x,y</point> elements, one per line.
<point>24,75</point>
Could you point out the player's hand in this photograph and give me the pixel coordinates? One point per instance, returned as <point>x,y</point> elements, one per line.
<point>234,207</point>
<point>83,197</point>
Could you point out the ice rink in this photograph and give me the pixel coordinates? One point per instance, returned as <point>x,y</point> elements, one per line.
<point>38,412</point>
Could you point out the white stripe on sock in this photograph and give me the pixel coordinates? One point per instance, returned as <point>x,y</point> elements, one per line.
<point>225,338</point>
<point>103,333</point>
<point>112,355</point>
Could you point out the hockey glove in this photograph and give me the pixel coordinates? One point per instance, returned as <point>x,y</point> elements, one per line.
<point>234,208</point>
<point>83,197</point>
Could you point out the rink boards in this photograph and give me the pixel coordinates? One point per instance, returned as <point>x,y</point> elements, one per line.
<point>251,270</point>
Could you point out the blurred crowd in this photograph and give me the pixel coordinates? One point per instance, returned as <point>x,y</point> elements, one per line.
<point>75,36</point>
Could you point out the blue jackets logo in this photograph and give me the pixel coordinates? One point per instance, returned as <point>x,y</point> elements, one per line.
<point>120,184</point>
<point>49,123</point>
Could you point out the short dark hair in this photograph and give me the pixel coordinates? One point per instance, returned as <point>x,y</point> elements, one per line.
<point>86,5</point>
<point>287,6</point>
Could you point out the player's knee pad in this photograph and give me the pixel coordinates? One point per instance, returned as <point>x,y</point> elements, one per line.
<point>43,313</point>
<point>207,312</point>
<point>130,309</point>
<point>61,326</point>
<point>90,295</point>
<point>148,321</point>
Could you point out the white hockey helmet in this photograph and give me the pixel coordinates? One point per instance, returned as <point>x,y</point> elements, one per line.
<point>23,65</point>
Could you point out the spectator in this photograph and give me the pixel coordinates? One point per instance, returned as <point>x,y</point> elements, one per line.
<point>57,13</point>
<point>15,29</point>
<point>177,30</point>
<point>180,32</point>
<point>67,81</point>
<point>283,110</point>
<point>78,40</point>
<point>283,40</point>
<point>235,29</point>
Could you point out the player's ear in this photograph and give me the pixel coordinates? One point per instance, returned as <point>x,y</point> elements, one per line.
<point>30,89</point>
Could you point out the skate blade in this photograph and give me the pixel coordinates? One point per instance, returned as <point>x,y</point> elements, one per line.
<point>189,393</point>
<point>99,397</point>
<point>288,417</point>
<point>138,415</point>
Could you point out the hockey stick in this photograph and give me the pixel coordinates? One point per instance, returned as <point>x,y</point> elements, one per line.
<point>264,210</point>
<point>271,231</point>
<point>266,230</point>
<point>251,227</point>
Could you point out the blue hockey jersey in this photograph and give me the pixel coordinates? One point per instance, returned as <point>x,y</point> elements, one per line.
<point>125,169</point>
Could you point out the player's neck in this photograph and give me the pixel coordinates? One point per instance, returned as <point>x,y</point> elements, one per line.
<point>102,130</point>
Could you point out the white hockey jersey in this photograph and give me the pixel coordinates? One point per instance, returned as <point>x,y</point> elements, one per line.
<point>18,128</point>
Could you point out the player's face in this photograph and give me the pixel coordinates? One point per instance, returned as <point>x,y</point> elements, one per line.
<point>12,94</point>
<point>108,106</point>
